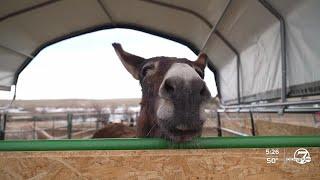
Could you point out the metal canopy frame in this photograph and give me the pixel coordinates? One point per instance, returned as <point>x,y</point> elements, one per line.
<point>225,142</point>
<point>234,50</point>
<point>283,42</point>
<point>113,24</point>
<point>274,12</point>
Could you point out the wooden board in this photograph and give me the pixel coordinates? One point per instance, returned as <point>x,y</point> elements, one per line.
<point>158,164</point>
<point>267,124</point>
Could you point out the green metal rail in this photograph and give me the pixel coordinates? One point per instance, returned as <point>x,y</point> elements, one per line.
<point>154,143</point>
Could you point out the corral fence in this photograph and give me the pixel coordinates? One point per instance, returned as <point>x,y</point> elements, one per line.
<point>82,125</point>
<point>59,125</point>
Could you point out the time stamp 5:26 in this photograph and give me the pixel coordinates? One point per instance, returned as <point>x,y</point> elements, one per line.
<point>272,155</point>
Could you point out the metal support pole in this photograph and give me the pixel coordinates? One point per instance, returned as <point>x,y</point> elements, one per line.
<point>219,124</point>
<point>302,102</point>
<point>16,52</point>
<point>69,126</point>
<point>34,128</point>
<point>98,120</point>
<point>314,118</point>
<point>213,28</point>
<point>179,8</point>
<point>3,121</point>
<point>233,49</point>
<point>53,127</point>
<point>1,126</point>
<point>269,110</point>
<point>238,78</point>
<point>131,121</point>
<point>274,12</point>
<point>104,8</point>
<point>253,129</point>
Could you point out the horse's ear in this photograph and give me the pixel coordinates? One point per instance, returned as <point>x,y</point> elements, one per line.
<point>131,62</point>
<point>201,62</point>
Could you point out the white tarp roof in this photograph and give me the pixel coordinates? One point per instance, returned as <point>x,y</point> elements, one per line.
<point>28,26</point>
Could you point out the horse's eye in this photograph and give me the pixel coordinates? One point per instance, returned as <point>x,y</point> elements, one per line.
<point>200,73</point>
<point>146,69</point>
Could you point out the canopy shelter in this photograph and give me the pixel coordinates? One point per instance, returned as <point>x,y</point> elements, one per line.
<point>259,49</point>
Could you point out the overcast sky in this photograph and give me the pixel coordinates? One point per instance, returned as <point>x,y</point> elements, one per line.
<point>86,67</point>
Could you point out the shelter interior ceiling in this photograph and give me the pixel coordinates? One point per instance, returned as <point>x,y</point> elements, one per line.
<point>247,25</point>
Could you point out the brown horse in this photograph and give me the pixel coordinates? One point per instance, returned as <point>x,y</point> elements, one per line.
<point>173,95</point>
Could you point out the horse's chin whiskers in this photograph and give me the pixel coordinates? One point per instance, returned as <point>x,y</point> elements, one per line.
<point>151,130</point>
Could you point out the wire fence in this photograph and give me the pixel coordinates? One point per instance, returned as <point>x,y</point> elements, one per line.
<point>64,125</point>
<point>82,125</point>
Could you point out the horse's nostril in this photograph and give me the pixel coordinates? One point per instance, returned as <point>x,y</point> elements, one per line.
<point>168,86</point>
<point>182,127</point>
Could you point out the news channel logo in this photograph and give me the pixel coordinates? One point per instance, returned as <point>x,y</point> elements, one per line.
<point>300,156</point>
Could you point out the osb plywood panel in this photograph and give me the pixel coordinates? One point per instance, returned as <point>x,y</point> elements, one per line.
<point>308,120</point>
<point>265,128</point>
<point>157,164</point>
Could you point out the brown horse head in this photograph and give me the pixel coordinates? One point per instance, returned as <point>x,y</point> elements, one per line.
<point>173,95</point>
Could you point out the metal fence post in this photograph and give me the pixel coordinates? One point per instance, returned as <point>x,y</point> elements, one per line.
<point>34,127</point>
<point>3,121</point>
<point>53,127</point>
<point>1,127</point>
<point>253,129</point>
<point>69,126</point>
<point>219,124</point>
<point>98,120</point>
